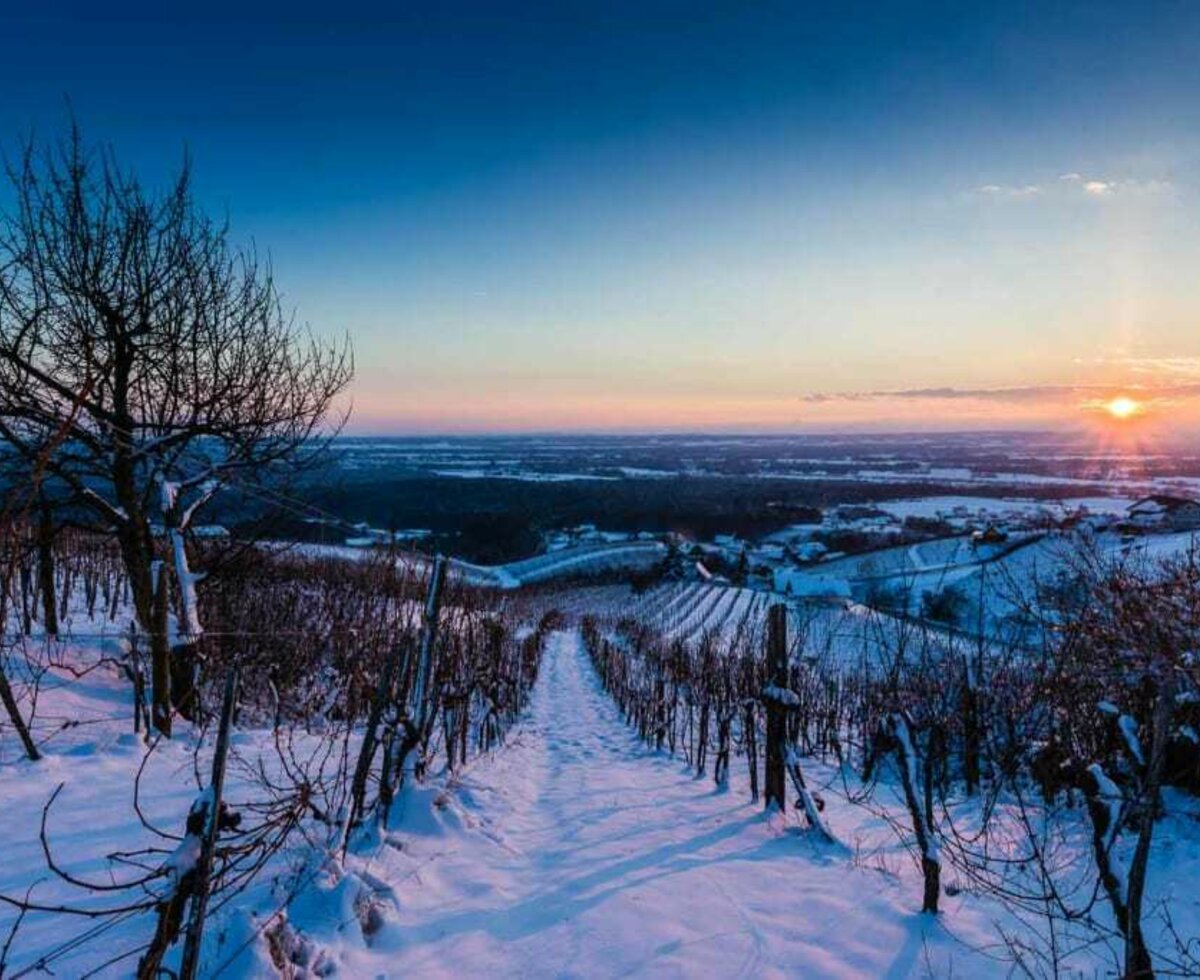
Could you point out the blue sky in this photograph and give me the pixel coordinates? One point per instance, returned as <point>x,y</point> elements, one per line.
<point>672,216</point>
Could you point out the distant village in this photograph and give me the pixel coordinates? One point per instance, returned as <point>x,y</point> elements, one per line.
<point>849,546</point>
<point>792,560</point>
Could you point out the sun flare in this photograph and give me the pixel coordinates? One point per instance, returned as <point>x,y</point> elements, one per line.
<point>1123,407</point>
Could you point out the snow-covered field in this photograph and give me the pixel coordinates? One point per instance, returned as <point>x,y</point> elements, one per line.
<point>575,852</point>
<point>96,764</point>
<point>1003,466</point>
<point>998,507</point>
<point>582,560</point>
<point>569,851</point>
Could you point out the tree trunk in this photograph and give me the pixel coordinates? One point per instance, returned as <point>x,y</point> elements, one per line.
<point>971,734</point>
<point>1138,963</point>
<point>185,695</point>
<point>160,655</point>
<point>724,731</point>
<point>808,802</point>
<point>6,694</point>
<point>421,709</point>
<point>899,735</point>
<point>151,596</point>
<point>14,714</point>
<point>151,608</point>
<point>183,655</point>
<point>750,735</point>
<point>366,753</point>
<point>45,554</point>
<point>660,712</point>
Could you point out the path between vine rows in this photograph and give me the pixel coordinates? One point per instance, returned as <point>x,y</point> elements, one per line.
<point>575,851</point>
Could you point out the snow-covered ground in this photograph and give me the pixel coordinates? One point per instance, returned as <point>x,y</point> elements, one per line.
<point>997,507</point>
<point>572,850</point>
<point>83,727</point>
<point>576,852</point>
<point>581,560</point>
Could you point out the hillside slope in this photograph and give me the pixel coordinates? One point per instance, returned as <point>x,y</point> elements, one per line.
<point>575,852</point>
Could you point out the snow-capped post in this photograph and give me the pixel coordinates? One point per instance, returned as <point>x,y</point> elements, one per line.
<point>896,734</point>
<point>774,786</point>
<point>212,822</point>
<point>433,603</point>
<point>370,741</point>
<point>189,868</point>
<point>419,714</point>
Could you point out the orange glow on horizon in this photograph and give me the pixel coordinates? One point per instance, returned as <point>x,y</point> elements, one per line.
<point>547,405</point>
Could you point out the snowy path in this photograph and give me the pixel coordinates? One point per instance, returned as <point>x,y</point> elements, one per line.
<point>575,852</point>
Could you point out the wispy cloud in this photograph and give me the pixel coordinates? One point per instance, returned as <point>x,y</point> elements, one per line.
<point>1168,366</point>
<point>1047,393</point>
<point>1075,184</point>
<point>1097,187</point>
<point>1093,188</point>
<point>1012,394</point>
<point>1010,190</point>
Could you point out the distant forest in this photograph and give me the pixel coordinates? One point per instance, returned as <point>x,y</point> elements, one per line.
<point>495,520</point>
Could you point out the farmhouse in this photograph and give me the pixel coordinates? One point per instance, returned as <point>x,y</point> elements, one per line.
<point>989,535</point>
<point>1166,512</point>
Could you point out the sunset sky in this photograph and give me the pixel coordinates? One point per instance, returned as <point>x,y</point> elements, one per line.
<point>743,216</point>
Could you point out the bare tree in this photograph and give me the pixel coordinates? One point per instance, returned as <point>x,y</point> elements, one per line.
<point>158,361</point>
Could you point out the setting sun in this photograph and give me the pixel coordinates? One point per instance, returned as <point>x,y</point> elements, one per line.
<point>1123,407</point>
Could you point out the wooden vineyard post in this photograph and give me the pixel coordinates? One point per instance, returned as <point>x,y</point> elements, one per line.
<point>366,753</point>
<point>433,603</point>
<point>195,930</point>
<point>420,701</point>
<point>420,714</point>
<point>777,681</point>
